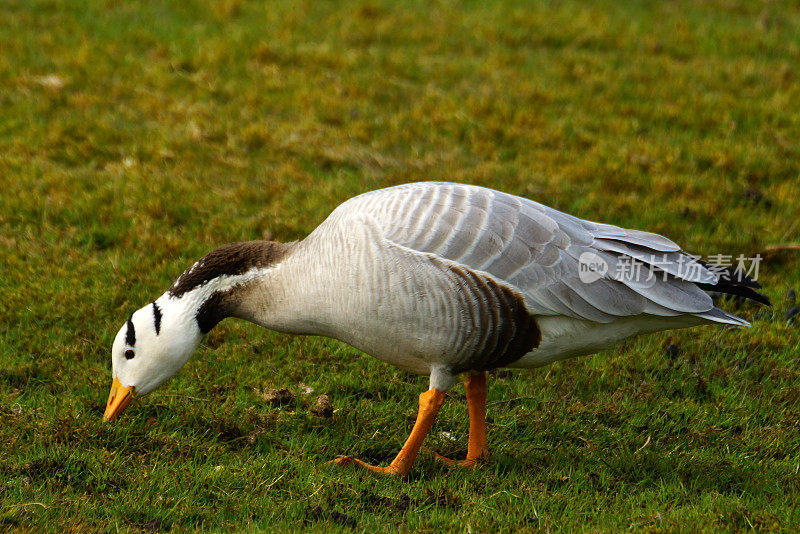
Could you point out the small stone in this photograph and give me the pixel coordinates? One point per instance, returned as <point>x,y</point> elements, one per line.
<point>278,397</point>
<point>791,296</point>
<point>791,313</point>
<point>672,351</point>
<point>323,407</point>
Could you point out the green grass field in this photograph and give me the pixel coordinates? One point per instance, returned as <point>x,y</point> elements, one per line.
<point>136,136</point>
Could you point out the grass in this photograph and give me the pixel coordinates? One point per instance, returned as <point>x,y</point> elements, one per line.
<point>136,136</point>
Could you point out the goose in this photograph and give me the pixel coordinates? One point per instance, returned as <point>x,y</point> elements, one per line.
<point>439,279</point>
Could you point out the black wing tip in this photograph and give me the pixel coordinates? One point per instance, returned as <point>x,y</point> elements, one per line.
<point>734,282</point>
<point>758,297</point>
<point>729,289</point>
<point>728,274</point>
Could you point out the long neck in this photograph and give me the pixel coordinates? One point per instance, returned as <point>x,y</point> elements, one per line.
<point>292,296</point>
<point>221,284</point>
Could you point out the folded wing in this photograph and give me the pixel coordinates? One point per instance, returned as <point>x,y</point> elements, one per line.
<point>540,251</point>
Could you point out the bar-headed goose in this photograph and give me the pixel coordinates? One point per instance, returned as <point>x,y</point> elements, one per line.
<point>439,279</point>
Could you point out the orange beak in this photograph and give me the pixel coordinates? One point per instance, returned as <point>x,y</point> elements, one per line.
<point>119,399</point>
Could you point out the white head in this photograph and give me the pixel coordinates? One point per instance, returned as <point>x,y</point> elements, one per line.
<point>160,338</point>
<point>150,348</point>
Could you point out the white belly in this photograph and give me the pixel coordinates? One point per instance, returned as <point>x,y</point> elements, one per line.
<point>566,337</point>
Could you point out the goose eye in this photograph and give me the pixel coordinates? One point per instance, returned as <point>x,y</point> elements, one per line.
<point>129,354</point>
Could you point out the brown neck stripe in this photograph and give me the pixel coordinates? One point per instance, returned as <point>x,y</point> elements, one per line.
<point>231,259</point>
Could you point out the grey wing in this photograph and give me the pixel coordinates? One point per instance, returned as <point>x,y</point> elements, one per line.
<point>540,252</point>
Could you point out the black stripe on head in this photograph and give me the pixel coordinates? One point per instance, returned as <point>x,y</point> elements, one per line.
<point>157,317</point>
<point>130,335</point>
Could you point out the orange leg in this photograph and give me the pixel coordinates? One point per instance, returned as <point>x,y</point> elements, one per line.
<point>477,450</point>
<point>429,404</point>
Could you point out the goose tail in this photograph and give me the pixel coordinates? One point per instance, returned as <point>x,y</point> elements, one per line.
<point>735,283</point>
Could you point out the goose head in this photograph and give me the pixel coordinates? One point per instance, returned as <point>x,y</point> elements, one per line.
<point>149,349</point>
<point>158,339</point>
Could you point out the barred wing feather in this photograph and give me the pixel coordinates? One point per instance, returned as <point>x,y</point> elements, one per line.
<point>536,249</point>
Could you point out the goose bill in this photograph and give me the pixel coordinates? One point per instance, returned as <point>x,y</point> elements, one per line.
<point>118,399</point>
